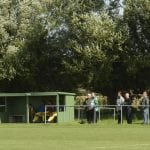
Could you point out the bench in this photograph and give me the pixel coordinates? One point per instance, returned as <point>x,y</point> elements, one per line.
<point>16,118</point>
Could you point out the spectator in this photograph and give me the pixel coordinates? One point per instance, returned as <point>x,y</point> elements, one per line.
<point>96,114</point>
<point>120,102</point>
<point>40,113</point>
<point>31,112</point>
<point>145,107</point>
<point>88,108</point>
<point>128,108</point>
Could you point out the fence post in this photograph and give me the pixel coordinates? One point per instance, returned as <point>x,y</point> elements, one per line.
<point>114,114</point>
<point>94,121</point>
<point>79,114</point>
<point>148,114</point>
<point>45,114</point>
<point>99,113</point>
<point>121,115</point>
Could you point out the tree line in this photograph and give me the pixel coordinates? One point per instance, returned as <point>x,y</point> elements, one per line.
<point>62,45</point>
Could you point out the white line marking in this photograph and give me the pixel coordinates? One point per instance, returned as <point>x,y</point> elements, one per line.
<point>118,146</point>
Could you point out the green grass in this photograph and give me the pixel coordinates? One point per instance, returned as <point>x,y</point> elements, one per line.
<point>106,135</point>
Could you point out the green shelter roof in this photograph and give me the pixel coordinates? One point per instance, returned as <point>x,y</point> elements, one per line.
<point>35,94</point>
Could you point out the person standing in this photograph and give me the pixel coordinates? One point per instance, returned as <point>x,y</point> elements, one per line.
<point>95,101</point>
<point>128,108</point>
<point>119,102</point>
<point>89,108</point>
<point>85,113</point>
<point>145,107</point>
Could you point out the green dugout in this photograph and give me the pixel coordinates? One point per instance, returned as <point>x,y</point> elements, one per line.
<point>14,107</point>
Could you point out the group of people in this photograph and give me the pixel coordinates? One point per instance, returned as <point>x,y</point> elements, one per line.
<point>91,108</point>
<point>124,106</point>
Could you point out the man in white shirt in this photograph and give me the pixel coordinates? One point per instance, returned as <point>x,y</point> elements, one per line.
<point>120,102</point>
<point>95,103</point>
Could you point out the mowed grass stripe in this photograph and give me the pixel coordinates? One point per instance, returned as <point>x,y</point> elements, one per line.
<point>74,136</point>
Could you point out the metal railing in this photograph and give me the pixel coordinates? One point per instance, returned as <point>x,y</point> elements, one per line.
<point>82,108</point>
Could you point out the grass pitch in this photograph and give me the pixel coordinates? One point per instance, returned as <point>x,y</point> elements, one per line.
<point>106,135</point>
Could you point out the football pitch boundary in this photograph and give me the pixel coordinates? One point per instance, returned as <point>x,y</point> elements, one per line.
<point>134,146</point>
<point>73,136</point>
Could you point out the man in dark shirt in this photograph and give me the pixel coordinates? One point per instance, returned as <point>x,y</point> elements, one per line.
<point>128,108</point>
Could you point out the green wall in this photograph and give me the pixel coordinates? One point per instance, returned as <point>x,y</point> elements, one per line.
<point>16,106</point>
<point>68,113</point>
<point>3,117</point>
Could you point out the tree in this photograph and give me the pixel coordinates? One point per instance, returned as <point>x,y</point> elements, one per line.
<point>137,19</point>
<point>79,45</point>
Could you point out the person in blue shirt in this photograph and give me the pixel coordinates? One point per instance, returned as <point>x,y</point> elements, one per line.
<point>41,107</point>
<point>40,113</point>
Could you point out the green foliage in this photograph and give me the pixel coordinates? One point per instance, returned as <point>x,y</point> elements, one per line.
<point>102,100</point>
<point>50,45</point>
<point>137,19</point>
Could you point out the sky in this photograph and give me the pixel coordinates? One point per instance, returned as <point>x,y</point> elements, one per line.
<point>121,2</point>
